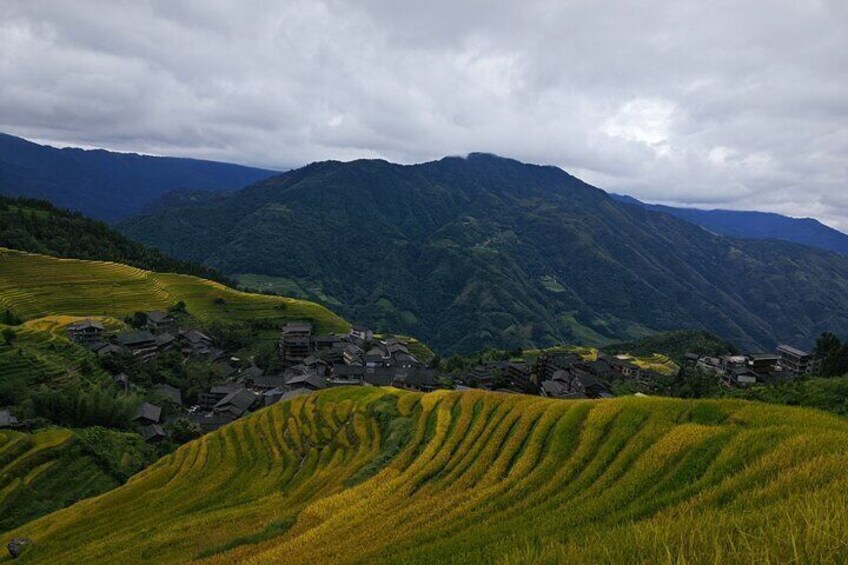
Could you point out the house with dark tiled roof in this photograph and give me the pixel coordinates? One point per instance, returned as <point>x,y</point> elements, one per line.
<point>141,343</point>
<point>295,343</point>
<point>268,382</point>
<point>197,344</point>
<point>169,393</point>
<point>238,402</point>
<point>309,380</point>
<point>148,414</point>
<point>361,333</point>
<point>424,380</point>
<point>159,322</point>
<point>211,421</point>
<point>86,333</point>
<point>107,349</point>
<point>165,342</point>
<point>208,399</point>
<point>153,433</point>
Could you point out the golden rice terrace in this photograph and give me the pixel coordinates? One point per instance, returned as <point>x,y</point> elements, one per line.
<point>379,475</point>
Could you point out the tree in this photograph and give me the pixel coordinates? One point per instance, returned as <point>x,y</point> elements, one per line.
<point>183,430</point>
<point>139,320</point>
<point>179,307</point>
<point>826,344</point>
<point>9,336</point>
<point>10,319</point>
<point>833,355</point>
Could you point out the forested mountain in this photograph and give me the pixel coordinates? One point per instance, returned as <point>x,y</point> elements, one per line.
<point>755,225</point>
<point>486,251</point>
<point>106,185</point>
<point>39,227</point>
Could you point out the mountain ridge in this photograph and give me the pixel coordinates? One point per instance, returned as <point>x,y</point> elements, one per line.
<point>108,185</point>
<point>756,225</point>
<point>487,251</point>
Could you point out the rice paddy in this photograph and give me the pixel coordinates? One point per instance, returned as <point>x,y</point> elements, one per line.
<point>35,286</point>
<point>376,475</point>
<point>41,355</point>
<point>51,469</point>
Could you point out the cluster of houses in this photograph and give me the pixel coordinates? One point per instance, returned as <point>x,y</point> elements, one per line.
<point>312,362</point>
<point>558,375</point>
<point>309,362</point>
<point>160,334</point>
<point>785,363</point>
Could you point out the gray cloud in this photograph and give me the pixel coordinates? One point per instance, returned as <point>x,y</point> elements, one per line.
<point>736,104</point>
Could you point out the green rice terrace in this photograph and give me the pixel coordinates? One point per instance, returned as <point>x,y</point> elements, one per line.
<point>51,469</point>
<point>373,475</point>
<point>34,286</point>
<point>43,356</point>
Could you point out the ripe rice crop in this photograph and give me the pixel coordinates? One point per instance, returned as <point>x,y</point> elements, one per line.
<point>35,286</point>
<point>382,475</point>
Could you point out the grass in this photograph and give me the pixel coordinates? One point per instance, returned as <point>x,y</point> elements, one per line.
<point>35,286</point>
<point>387,476</point>
<point>43,472</point>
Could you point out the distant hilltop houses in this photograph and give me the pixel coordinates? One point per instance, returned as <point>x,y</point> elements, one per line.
<point>785,363</point>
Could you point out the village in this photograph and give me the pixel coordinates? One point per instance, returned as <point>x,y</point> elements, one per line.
<point>311,362</point>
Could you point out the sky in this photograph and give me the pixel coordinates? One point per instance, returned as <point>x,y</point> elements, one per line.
<point>738,104</point>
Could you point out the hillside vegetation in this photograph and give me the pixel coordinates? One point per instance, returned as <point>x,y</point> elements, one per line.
<point>381,475</point>
<point>674,345</point>
<point>41,358</point>
<point>53,468</point>
<point>39,227</point>
<point>486,252</point>
<point>34,286</point>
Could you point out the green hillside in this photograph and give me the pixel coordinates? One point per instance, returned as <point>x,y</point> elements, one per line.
<point>384,476</point>
<point>39,227</point>
<point>51,469</point>
<point>34,286</point>
<point>38,357</point>
<point>486,252</point>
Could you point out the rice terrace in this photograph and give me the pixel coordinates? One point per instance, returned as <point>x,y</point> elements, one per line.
<point>379,475</point>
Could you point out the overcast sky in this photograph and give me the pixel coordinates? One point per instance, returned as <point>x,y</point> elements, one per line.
<point>734,104</point>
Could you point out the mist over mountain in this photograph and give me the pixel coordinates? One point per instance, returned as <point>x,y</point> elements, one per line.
<point>106,185</point>
<point>486,251</point>
<point>755,225</point>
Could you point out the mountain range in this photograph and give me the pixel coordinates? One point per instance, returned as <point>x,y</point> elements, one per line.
<point>108,185</point>
<point>486,251</point>
<point>755,225</point>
